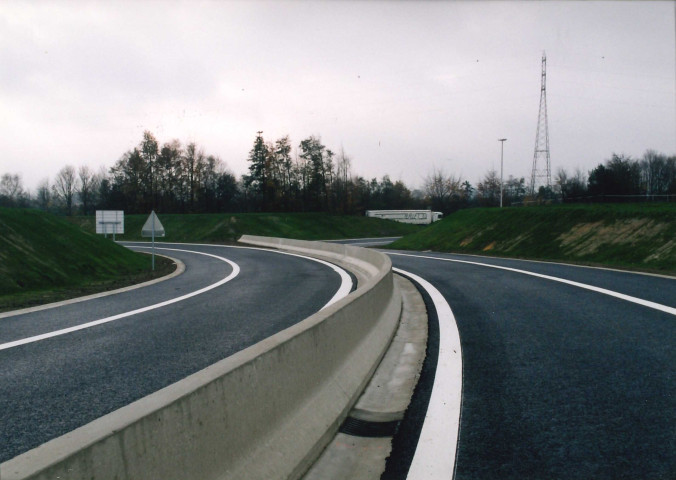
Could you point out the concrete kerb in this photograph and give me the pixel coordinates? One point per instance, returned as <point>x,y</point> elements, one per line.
<point>364,442</point>
<point>265,412</point>
<point>180,268</point>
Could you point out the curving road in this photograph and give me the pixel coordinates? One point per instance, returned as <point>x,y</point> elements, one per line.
<point>563,372</point>
<point>56,375</point>
<point>567,372</point>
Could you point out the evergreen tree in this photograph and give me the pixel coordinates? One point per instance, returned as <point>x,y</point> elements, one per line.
<point>312,151</point>
<point>257,179</point>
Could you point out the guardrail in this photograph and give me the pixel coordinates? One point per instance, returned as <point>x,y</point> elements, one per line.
<point>263,413</point>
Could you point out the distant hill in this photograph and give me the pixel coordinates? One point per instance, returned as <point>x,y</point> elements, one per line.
<point>225,227</point>
<point>40,252</point>
<point>641,236</point>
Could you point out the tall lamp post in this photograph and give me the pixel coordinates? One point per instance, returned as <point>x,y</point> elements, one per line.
<point>502,150</point>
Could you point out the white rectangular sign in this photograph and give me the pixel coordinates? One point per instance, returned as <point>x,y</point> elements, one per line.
<point>110,222</point>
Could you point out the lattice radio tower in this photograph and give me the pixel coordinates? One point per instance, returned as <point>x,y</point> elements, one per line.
<point>542,172</point>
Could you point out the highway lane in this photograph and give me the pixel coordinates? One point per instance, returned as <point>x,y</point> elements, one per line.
<point>52,386</point>
<point>655,288</point>
<point>204,272</point>
<point>558,381</point>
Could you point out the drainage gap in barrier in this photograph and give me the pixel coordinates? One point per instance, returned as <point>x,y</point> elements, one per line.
<point>364,428</point>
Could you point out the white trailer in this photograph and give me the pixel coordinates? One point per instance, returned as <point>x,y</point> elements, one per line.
<point>419,217</point>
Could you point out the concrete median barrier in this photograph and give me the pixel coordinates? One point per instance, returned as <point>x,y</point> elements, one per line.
<point>365,261</point>
<point>263,413</point>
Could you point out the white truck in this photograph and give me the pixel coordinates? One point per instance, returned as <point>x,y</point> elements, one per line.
<point>418,217</point>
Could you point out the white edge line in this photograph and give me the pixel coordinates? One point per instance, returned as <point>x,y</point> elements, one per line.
<point>622,296</point>
<point>552,262</point>
<point>434,457</point>
<point>36,338</point>
<point>343,291</point>
<point>439,433</point>
<point>346,280</point>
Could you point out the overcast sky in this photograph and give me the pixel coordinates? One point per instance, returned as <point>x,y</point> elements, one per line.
<point>402,87</point>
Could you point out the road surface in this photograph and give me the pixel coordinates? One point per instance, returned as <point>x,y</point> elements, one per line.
<point>565,372</point>
<point>558,380</point>
<point>50,386</point>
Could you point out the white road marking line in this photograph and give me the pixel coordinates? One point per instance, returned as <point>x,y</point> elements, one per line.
<point>572,265</point>
<point>434,456</point>
<point>343,291</point>
<point>622,296</point>
<point>56,333</point>
<point>345,279</point>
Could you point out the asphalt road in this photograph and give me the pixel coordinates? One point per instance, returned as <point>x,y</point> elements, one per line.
<point>558,381</point>
<point>51,386</point>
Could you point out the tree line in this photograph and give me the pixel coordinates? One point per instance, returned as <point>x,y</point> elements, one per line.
<point>178,178</point>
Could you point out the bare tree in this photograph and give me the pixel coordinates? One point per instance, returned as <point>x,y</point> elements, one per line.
<point>561,182</point>
<point>343,175</point>
<point>44,196</point>
<point>10,185</point>
<point>86,188</point>
<point>193,165</point>
<point>571,186</point>
<point>488,189</point>
<point>436,186</point>
<point>658,173</point>
<point>514,190</point>
<point>169,176</point>
<point>65,187</point>
<point>442,189</point>
<point>577,185</point>
<point>11,190</point>
<point>149,149</point>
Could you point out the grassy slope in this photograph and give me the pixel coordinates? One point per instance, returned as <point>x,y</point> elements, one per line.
<point>627,236</point>
<point>213,228</point>
<point>39,251</point>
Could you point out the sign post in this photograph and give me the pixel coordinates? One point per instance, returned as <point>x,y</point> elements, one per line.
<point>153,228</point>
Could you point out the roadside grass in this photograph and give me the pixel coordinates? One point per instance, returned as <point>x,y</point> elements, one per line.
<point>44,258</point>
<point>629,236</point>
<point>227,228</point>
<point>31,298</point>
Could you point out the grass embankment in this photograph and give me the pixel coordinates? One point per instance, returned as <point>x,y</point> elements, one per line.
<point>636,236</point>
<point>44,258</point>
<point>227,228</point>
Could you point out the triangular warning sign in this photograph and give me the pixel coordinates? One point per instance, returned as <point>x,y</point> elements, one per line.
<point>152,224</point>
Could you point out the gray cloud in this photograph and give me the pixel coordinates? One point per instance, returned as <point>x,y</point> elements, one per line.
<point>402,86</point>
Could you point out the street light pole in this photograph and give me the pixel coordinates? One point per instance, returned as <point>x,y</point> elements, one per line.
<point>502,149</point>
